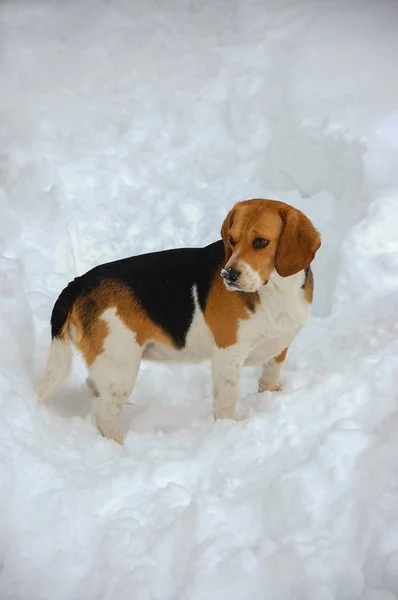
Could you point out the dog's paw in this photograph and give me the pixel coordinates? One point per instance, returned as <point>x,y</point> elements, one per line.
<point>110,432</point>
<point>232,415</point>
<point>116,435</point>
<point>267,387</point>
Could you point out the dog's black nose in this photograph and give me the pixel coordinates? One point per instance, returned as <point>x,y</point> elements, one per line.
<point>230,275</point>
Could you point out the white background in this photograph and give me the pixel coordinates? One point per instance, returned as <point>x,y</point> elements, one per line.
<point>132,126</point>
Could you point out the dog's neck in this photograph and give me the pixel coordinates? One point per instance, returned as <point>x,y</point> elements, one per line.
<point>283,285</point>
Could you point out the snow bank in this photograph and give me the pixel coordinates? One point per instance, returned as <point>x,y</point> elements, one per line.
<point>131,126</point>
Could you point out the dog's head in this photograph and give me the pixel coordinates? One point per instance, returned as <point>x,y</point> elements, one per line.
<point>262,236</point>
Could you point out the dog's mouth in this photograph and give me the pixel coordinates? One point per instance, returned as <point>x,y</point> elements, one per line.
<point>232,287</point>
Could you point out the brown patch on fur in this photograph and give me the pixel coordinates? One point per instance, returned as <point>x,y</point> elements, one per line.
<point>228,221</point>
<point>282,356</point>
<point>250,300</point>
<point>89,330</point>
<point>308,286</point>
<point>225,309</point>
<point>293,239</point>
<point>87,337</point>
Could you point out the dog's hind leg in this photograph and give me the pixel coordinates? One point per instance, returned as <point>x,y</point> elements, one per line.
<point>113,374</point>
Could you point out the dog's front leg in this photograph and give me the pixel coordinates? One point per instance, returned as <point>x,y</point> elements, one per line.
<point>226,365</point>
<point>269,379</point>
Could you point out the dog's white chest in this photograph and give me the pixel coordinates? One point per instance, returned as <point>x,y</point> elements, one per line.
<point>281,314</point>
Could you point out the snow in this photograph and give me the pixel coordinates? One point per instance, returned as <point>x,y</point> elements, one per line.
<point>131,126</point>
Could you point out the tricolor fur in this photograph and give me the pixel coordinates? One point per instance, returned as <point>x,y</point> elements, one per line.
<point>176,306</point>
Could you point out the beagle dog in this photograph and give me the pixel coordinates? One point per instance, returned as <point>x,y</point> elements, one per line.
<point>239,301</point>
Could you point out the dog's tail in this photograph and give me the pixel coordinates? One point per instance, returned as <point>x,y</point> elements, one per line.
<point>59,360</point>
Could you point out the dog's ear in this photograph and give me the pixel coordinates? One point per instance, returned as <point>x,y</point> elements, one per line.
<point>229,219</point>
<point>298,242</point>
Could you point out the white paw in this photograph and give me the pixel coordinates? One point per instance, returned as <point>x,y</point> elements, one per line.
<point>111,432</point>
<point>228,414</point>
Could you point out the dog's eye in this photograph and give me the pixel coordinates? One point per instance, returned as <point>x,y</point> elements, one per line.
<point>231,240</point>
<point>260,243</point>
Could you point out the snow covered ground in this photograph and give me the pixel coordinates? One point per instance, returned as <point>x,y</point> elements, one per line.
<point>129,126</point>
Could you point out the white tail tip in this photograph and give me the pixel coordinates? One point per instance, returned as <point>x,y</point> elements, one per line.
<point>57,369</point>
